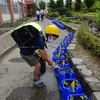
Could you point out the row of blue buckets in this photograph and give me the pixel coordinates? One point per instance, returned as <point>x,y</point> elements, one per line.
<point>70,88</point>
<point>58,24</point>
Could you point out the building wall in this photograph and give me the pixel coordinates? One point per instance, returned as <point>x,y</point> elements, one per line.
<point>29,1</point>
<point>6,17</point>
<point>13,9</point>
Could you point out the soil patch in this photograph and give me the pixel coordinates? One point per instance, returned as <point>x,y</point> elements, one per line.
<point>92,61</point>
<point>7,26</point>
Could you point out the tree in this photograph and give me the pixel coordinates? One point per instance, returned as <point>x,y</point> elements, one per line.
<point>60,7</point>
<point>52,5</point>
<point>42,4</point>
<point>68,4</point>
<point>96,6</point>
<point>89,4</point>
<point>59,3</point>
<point>34,8</point>
<point>77,5</point>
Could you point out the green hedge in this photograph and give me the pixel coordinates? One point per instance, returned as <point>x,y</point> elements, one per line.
<point>87,40</point>
<point>85,16</point>
<point>63,19</point>
<point>66,20</point>
<point>97,19</point>
<point>53,14</point>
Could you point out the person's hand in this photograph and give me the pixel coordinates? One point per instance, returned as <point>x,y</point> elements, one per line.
<point>49,57</point>
<point>50,62</point>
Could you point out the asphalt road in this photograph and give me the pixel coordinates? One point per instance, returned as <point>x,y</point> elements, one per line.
<point>16,76</point>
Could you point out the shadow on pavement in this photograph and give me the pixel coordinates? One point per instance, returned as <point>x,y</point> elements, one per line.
<point>32,93</point>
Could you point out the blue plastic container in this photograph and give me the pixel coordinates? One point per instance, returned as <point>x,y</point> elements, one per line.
<point>66,89</point>
<point>71,34</point>
<point>65,37</point>
<point>62,44</point>
<point>65,66</point>
<point>55,58</point>
<point>65,42</point>
<point>61,51</point>
<point>66,45</point>
<point>60,63</point>
<point>36,19</point>
<point>59,25</point>
<point>61,48</point>
<point>77,95</point>
<point>52,18</point>
<point>65,73</point>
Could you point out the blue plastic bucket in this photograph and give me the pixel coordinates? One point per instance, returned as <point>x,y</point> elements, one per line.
<point>65,66</point>
<point>65,73</point>
<point>52,18</point>
<point>58,24</point>
<point>54,58</point>
<point>66,90</point>
<point>61,51</point>
<point>60,63</point>
<point>76,96</point>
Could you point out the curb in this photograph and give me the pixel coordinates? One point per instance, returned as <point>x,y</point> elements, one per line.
<point>7,50</point>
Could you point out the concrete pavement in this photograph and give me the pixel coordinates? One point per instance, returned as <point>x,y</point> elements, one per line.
<point>16,75</point>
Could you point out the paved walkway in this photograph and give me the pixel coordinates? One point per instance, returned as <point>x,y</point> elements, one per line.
<point>6,41</point>
<point>16,75</point>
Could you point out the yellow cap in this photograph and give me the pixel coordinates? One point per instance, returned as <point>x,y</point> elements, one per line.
<point>52,29</point>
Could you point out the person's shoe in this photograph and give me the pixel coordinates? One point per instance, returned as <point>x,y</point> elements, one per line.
<point>38,82</point>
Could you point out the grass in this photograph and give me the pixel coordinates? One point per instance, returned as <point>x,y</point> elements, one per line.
<point>70,24</point>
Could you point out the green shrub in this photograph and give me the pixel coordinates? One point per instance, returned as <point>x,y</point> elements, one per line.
<point>97,19</point>
<point>63,18</point>
<point>76,22</point>
<point>87,40</point>
<point>61,10</point>
<point>60,18</point>
<point>29,15</point>
<point>68,14</point>
<point>84,10</point>
<point>96,6</point>
<point>85,16</point>
<point>53,14</point>
<point>66,20</point>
